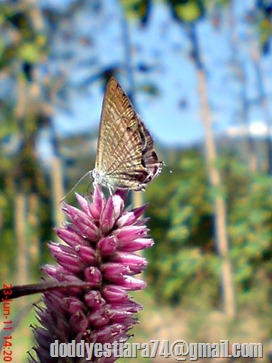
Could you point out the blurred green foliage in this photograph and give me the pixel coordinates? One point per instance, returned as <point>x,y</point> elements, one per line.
<point>184,267</point>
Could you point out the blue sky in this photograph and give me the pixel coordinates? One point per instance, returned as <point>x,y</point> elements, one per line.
<point>164,46</point>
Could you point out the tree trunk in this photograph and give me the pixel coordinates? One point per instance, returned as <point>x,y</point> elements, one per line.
<point>239,69</point>
<point>21,239</point>
<point>57,189</point>
<point>33,222</point>
<point>264,104</point>
<point>220,215</point>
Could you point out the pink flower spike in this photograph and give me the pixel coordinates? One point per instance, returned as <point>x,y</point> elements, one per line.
<point>93,275</point>
<point>94,299</point>
<point>79,322</point>
<point>98,204</point>
<point>129,259</point>
<point>70,262</point>
<point>82,222</point>
<point>71,237</point>
<point>111,271</point>
<point>86,253</point>
<point>84,203</point>
<point>107,218</point>
<point>115,294</point>
<point>136,245</point>
<point>99,317</point>
<point>72,304</point>
<point>130,307</point>
<point>130,233</point>
<point>130,283</point>
<point>130,217</point>
<point>97,258</point>
<point>107,245</point>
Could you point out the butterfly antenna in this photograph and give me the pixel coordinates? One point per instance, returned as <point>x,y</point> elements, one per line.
<point>80,180</point>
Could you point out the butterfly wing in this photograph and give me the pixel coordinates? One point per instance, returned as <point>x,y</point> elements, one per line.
<point>125,154</point>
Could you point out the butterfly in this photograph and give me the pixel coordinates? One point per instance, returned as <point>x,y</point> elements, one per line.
<point>125,157</point>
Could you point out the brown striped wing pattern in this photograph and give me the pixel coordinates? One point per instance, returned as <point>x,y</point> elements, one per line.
<point>125,158</point>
